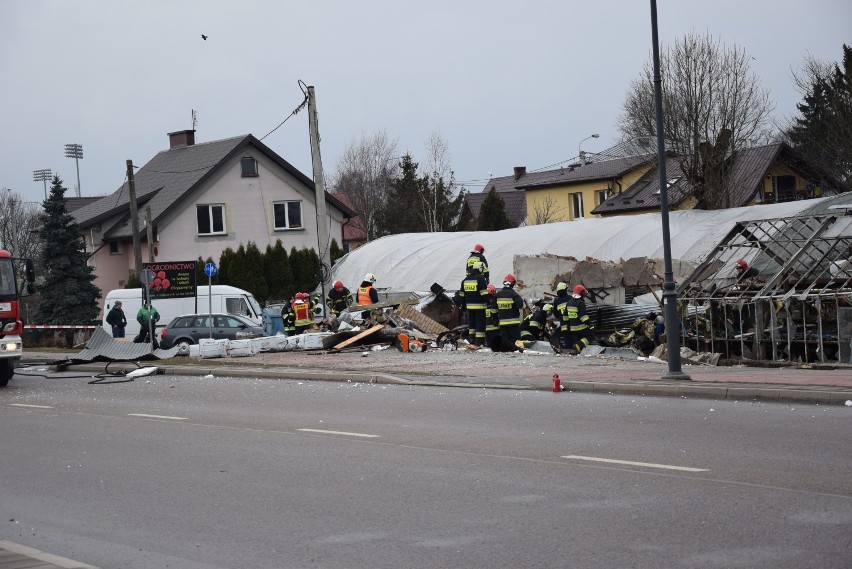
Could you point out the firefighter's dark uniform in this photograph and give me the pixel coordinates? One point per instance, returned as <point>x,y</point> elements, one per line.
<point>477,257</point>
<point>471,297</point>
<point>560,320</point>
<point>338,300</point>
<point>509,307</point>
<point>492,321</point>
<point>533,326</point>
<point>579,323</point>
<point>289,319</point>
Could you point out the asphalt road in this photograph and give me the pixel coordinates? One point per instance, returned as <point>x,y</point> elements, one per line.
<point>191,472</point>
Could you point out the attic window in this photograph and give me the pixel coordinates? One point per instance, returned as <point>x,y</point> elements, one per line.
<point>669,184</point>
<point>288,215</point>
<point>113,247</point>
<point>248,166</point>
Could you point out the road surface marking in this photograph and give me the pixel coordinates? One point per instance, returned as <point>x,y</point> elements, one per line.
<point>339,433</point>
<point>631,463</point>
<point>156,416</point>
<point>33,406</point>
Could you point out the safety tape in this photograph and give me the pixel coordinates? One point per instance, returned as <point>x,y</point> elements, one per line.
<point>60,326</point>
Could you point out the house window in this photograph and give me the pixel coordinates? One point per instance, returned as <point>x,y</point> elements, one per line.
<point>784,188</point>
<point>288,215</point>
<point>211,219</point>
<point>248,166</point>
<point>601,196</point>
<point>113,247</point>
<point>577,205</point>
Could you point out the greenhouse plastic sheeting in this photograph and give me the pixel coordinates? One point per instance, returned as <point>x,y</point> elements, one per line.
<point>411,262</point>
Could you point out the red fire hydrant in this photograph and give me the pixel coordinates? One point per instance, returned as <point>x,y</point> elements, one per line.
<point>557,385</point>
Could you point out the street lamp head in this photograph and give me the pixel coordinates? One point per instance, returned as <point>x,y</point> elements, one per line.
<point>596,135</point>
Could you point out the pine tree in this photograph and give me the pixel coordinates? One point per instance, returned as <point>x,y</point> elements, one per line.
<point>335,252</point>
<point>255,276</point>
<point>492,214</point>
<point>69,295</point>
<point>279,274</point>
<point>401,213</point>
<point>823,131</point>
<point>227,260</point>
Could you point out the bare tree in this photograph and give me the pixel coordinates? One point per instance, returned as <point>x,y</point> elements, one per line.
<point>363,174</point>
<point>547,211</point>
<point>713,106</point>
<point>439,191</point>
<point>19,223</point>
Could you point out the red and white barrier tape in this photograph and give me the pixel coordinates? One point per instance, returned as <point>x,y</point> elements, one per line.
<point>60,326</point>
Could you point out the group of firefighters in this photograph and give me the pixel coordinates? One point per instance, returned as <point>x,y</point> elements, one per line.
<point>496,317</point>
<point>298,313</point>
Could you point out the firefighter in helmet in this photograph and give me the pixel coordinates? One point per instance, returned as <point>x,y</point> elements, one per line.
<point>338,299</point>
<point>578,321</point>
<point>471,297</point>
<point>559,319</point>
<point>509,307</point>
<point>366,292</point>
<point>477,255</point>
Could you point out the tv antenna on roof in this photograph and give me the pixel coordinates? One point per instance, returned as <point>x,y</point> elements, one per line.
<point>194,119</point>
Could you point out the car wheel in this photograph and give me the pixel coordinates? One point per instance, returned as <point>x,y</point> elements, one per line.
<point>183,346</point>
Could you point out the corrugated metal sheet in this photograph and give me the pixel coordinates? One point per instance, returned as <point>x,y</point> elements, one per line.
<point>103,347</point>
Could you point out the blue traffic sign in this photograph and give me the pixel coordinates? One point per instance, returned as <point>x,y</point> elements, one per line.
<point>210,269</point>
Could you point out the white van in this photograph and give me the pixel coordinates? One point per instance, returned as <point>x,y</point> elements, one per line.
<point>225,299</point>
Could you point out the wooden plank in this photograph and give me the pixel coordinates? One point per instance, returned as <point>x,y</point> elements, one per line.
<point>363,334</point>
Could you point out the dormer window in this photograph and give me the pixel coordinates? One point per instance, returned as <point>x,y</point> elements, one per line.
<point>249,167</point>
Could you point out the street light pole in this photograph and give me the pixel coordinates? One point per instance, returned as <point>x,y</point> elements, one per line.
<point>669,292</point>
<point>75,151</point>
<point>42,176</point>
<point>580,152</point>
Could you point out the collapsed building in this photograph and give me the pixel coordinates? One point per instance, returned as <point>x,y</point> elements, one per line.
<point>798,311</point>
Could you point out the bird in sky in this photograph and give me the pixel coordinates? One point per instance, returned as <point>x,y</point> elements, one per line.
<point>203,37</point>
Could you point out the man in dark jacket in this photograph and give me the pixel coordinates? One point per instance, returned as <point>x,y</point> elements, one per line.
<point>117,320</point>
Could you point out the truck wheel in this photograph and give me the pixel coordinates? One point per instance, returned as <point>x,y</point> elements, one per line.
<point>7,370</point>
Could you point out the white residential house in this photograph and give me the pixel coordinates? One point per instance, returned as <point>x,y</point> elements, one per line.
<point>205,198</point>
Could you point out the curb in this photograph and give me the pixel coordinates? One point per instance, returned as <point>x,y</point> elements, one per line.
<point>738,392</point>
<point>21,556</point>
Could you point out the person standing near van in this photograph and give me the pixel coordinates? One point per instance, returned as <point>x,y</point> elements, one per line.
<point>117,320</point>
<point>147,318</point>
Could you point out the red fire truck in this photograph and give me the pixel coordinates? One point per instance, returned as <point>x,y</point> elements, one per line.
<point>11,327</point>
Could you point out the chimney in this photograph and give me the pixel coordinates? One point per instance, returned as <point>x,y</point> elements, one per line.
<point>181,138</point>
<point>520,171</point>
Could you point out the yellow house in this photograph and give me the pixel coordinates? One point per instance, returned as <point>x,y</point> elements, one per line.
<point>576,192</point>
<point>763,174</point>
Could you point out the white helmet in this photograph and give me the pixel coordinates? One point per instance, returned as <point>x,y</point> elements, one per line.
<point>370,277</point>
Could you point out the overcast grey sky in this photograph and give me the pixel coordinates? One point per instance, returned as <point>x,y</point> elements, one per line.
<point>504,83</point>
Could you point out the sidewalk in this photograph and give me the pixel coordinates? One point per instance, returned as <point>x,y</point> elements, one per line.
<point>817,383</point>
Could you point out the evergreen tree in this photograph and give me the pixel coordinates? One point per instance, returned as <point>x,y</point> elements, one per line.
<point>227,260</point>
<point>492,214</point>
<point>823,131</point>
<point>279,274</point>
<point>305,264</point>
<point>69,294</point>
<point>335,252</point>
<point>238,269</point>
<point>401,212</point>
<point>255,274</point>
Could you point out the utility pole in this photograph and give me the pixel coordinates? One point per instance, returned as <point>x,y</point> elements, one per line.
<point>323,237</point>
<point>149,227</point>
<point>134,219</point>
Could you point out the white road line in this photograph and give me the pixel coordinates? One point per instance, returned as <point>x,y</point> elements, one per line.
<point>33,406</point>
<point>339,433</point>
<point>156,416</point>
<point>631,463</point>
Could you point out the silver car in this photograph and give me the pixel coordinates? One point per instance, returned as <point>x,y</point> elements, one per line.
<point>190,328</point>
